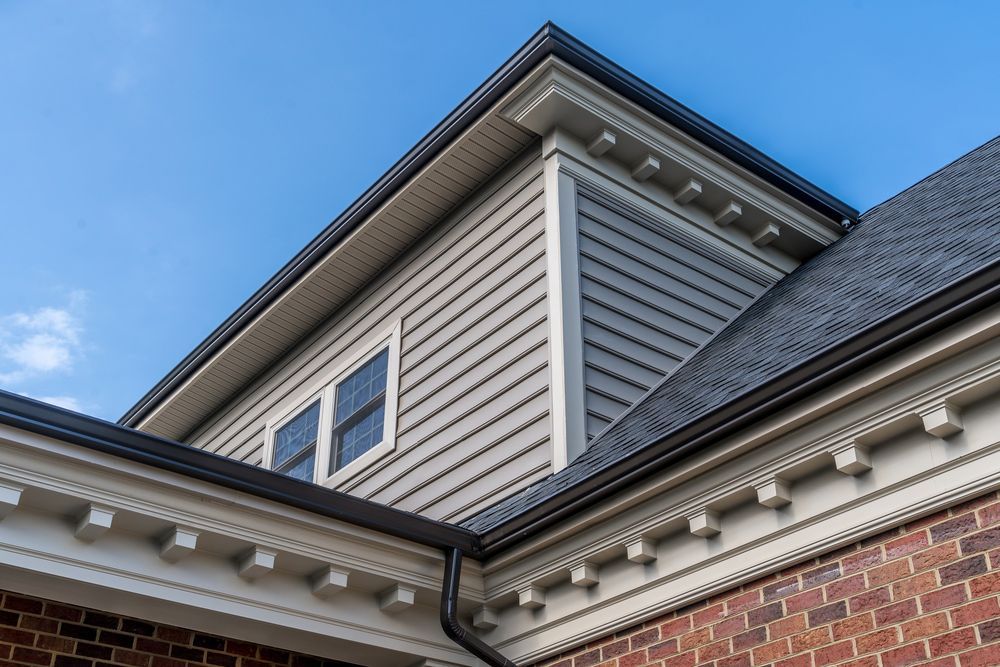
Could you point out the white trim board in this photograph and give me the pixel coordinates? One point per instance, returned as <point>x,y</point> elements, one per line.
<point>63,478</point>
<point>566,393</point>
<point>556,94</point>
<point>847,524</point>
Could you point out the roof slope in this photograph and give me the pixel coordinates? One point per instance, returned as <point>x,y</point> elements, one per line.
<point>938,231</point>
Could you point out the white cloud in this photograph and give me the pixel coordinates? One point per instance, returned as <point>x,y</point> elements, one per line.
<point>41,353</point>
<point>40,342</point>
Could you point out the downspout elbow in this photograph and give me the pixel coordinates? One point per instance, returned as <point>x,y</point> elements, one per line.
<point>449,614</point>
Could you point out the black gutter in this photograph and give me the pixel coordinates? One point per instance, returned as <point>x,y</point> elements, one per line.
<point>54,422</point>
<point>97,434</point>
<point>576,53</point>
<point>938,310</point>
<point>449,615</point>
<point>549,40</point>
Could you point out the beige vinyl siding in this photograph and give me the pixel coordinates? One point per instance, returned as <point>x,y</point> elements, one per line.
<point>648,299</point>
<point>473,413</point>
<point>341,274</point>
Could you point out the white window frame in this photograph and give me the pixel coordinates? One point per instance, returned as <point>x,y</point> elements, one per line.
<point>325,390</point>
<point>287,415</point>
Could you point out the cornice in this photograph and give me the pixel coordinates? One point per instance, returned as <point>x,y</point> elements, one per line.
<point>682,224</point>
<point>85,478</point>
<point>849,522</point>
<point>923,438</point>
<point>730,486</point>
<point>210,597</point>
<point>559,96</point>
<point>580,56</point>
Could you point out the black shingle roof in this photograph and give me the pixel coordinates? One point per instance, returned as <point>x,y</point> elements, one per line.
<point>938,231</point>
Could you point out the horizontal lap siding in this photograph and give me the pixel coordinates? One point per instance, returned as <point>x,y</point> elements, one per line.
<point>473,402</point>
<point>649,299</point>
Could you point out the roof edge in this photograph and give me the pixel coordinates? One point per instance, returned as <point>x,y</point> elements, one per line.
<point>549,40</point>
<point>412,162</point>
<point>96,434</point>
<point>630,86</point>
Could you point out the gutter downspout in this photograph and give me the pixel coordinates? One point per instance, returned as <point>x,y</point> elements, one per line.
<point>449,614</point>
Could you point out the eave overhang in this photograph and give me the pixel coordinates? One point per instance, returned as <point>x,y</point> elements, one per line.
<point>96,514</point>
<point>590,124</point>
<point>163,454</point>
<point>411,195</point>
<point>906,436</point>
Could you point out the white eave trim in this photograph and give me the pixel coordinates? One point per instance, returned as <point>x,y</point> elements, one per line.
<point>83,522</point>
<point>557,94</point>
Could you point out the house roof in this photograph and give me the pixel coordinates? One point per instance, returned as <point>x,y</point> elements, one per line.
<point>936,234</point>
<point>927,248</point>
<point>236,367</point>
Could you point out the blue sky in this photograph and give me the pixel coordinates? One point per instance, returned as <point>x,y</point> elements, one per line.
<point>160,160</point>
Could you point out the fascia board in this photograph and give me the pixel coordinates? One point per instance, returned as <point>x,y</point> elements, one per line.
<point>94,434</point>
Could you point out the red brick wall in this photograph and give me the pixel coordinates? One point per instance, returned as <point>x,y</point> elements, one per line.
<point>43,632</point>
<point>923,594</point>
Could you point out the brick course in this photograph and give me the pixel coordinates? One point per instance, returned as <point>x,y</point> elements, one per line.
<point>925,594</point>
<point>51,634</point>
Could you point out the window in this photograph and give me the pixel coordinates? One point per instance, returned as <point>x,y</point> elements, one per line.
<point>360,412</point>
<point>343,423</point>
<point>295,444</point>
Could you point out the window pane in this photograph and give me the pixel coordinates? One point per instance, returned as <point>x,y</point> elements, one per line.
<point>359,437</point>
<point>296,435</point>
<point>361,386</point>
<point>303,469</point>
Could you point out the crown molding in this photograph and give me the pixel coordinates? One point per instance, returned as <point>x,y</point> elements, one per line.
<point>557,95</point>
<point>771,504</point>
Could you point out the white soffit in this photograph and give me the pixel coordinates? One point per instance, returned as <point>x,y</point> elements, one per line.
<point>471,160</point>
